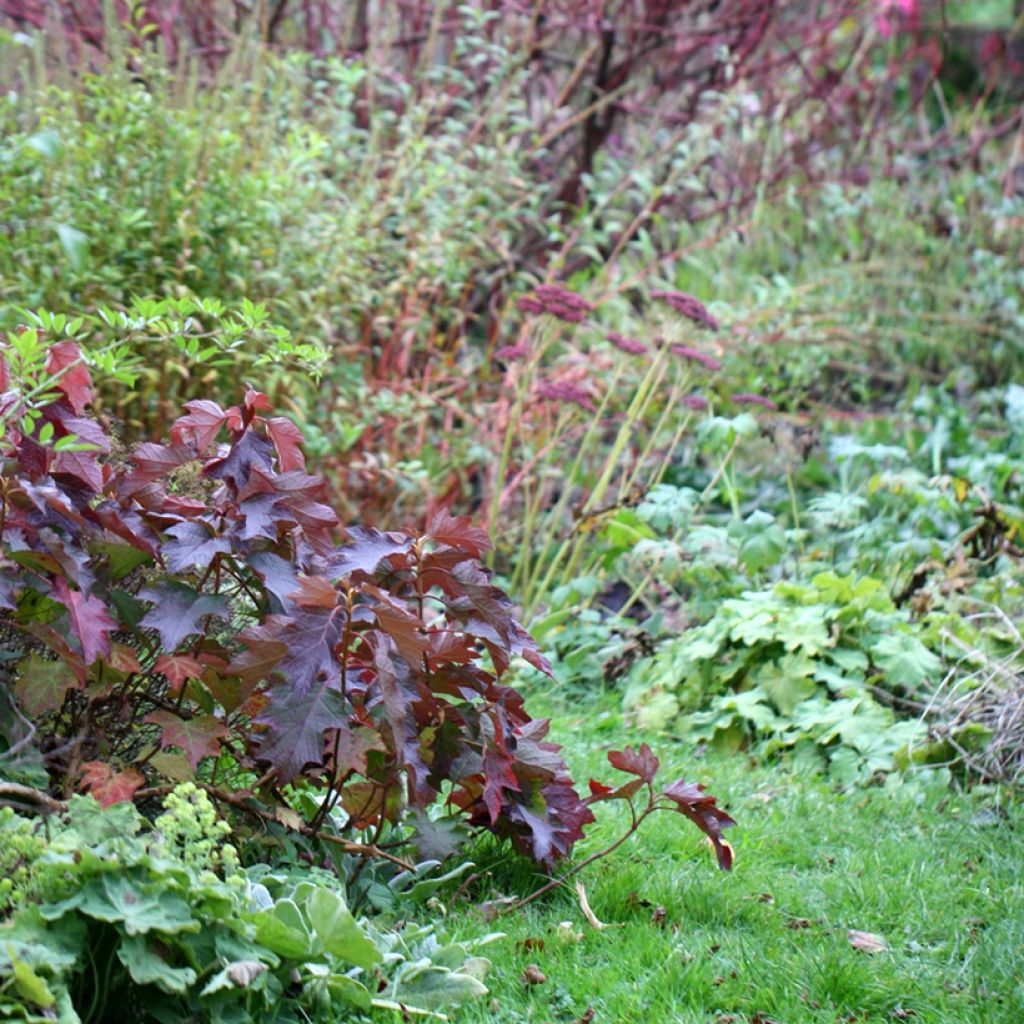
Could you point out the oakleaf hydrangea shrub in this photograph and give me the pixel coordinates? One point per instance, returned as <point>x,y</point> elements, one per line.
<point>194,610</point>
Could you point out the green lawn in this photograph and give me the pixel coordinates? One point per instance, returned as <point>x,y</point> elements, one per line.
<point>936,874</point>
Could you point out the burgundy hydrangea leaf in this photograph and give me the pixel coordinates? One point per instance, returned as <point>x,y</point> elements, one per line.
<point>314,592</point>
<point>701,808</point>
<point>523,645</point>
<point>42,684</point>
<point>296,721</point>
<point>288,441</point>
<point>126,524</point>
<point>200,426</point>
<point>90,621</point>
<point>277,575</point>
<point>193,545</point>
<point>260,658</point>
<point>65,358</point>
<point>640,762</point>
<point>364,552</point>
<point>458,532</point>
<point>179,611</point>
<point>59,645</point>
<point>154,462</point>
<point>399,690</point>
<point>178,668</point>
<point>498,777</point>
<point>198,736</point>
<point>109,787</point>
<point>311,636</point>
<point>544,821</point>
<point>403,626</point>
<point>260,517</point>
<point>248,452</point>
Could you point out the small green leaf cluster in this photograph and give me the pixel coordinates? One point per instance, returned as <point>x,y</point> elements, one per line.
<point>145,927</point>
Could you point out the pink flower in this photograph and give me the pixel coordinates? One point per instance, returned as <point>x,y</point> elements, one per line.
<point>749,398</point>
<point>630,346</point>
<point>697,356</point>
<point>562,391</point>
<point>695,401</point>
<point>693,309</point>
<point>557,301</point>
<point>512,352</point>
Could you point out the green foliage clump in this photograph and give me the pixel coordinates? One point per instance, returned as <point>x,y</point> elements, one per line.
<point>795,667</point>
<point>158,922</point>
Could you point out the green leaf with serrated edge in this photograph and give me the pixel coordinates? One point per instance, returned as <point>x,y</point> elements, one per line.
<point>120,898</point>
<point>148,968</point>
<point>339,931</point>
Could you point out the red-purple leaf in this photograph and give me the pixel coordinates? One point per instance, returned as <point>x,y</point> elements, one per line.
<point>366,549</point>
<point>179,611</point>
<point>90,621</point>
<point>288,441</point>
<point>199,737</point>
<point>178,668</point>
<point>458,532</point>
<point>65,358</point>
<point>200,426</point>
<point>194,545</point>
<point>106,785</point>
<point>42,685</point>
<point>701,808</point>
<point>640,762</point>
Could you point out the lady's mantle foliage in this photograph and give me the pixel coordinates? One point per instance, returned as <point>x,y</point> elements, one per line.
<point>193,596</point>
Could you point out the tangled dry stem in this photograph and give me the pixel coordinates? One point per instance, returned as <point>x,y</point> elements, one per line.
<point>988,691</point>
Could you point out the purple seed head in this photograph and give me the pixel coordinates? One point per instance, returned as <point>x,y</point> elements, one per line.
<point>562,391</point>
<point>749,398</point>
<point>697,356</point>
<point>695,401</point>
<point>630,346</point>
<point>693,309</point>
<point>556,301</point>
<point>510,353</point>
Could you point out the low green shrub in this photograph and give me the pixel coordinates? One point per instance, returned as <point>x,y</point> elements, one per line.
<point>156,921</point>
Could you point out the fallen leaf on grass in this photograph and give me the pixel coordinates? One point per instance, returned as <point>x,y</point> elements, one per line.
<point>659,915</point>
<point>566,932</point>
<point>798,922</point>
<point>586,1016</point>
<point>866,942</point>
<point>532,975</point>
<point>763,1018</point>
